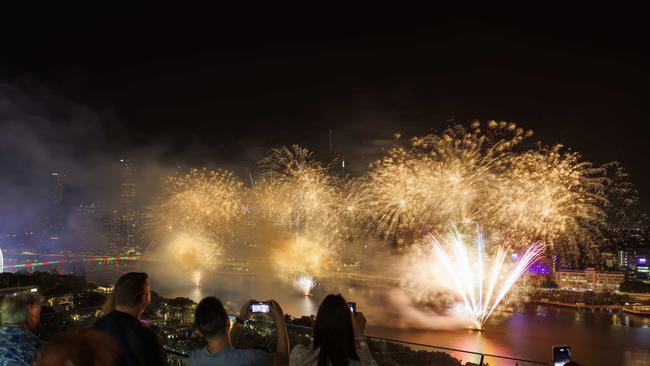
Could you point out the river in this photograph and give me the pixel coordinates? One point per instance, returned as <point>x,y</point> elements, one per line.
<point>596,338</point>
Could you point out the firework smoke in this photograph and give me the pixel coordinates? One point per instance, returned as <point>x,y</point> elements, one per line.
<point>299,256</point>
<point>189,253</point>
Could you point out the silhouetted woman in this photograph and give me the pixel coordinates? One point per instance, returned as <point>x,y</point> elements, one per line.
<point>339,338</point>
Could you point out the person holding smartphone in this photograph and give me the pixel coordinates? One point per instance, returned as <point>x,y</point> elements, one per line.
<point>339,337</point>
<point>211,321</point>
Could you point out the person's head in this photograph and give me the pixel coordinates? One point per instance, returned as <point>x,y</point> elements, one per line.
<point>211,319</point>
<point>334,332</point>
<point>132,292</point>
<point>22,309</point>
<point>87,347</point>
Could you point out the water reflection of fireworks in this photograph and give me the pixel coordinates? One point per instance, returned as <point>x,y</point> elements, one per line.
<point>196,276</point>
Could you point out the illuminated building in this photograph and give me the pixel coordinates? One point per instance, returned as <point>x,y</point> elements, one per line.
<point>642,271</point>
<point>114,225</point>
<point>635,262</point>
<point>609,260</point>
<point>89,226</point>
<point>589,279</point>
<point>539,268</point>
<point>57,189</point>
<point>53,221</point>
<point>127,183</point>
<point>128,213</point>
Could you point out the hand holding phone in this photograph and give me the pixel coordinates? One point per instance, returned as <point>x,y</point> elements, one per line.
<point>561,355</point>
<point>353,307</point>
<point>260,307</point>
<point>245,312</point>
<point>359,325</point>
<point>276,311</point>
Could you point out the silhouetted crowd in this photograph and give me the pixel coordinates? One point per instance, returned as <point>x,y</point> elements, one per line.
<point>120,338</point>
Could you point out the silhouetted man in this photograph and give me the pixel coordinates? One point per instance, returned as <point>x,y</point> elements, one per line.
<point>137,344</point>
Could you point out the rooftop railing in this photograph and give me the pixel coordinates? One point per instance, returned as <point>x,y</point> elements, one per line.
<point>386,352</point>
<point>389,352</point>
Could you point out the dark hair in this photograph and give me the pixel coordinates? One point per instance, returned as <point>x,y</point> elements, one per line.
<point>129,288</point>
<point>210,318</point>
<point>333,332</point>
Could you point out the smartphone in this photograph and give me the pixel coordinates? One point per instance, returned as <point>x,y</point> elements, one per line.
<point>353,307</point>
<point>262,307</point>
<point>561,355</point>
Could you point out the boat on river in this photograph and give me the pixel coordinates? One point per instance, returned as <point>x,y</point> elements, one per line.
<point>643,310</point>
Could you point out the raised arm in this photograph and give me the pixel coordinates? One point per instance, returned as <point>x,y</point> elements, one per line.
<point>238,328</point>
<point>361,342</point>
<point>281,356</point>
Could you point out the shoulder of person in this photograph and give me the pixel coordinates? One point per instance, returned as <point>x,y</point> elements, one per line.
<point>251,352</point>
<point>251,357</point>
<point>109,319</point>
<point>196,353</point>
<point>303,355</point>
<point>301,349</point>
<point>149,336</point>
<point>101,319</point>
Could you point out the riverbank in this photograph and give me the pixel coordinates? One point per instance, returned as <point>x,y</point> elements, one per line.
<point>578,305</point>
<point>643,310</point>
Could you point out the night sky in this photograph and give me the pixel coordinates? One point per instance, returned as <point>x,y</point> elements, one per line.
<point>220,87</point>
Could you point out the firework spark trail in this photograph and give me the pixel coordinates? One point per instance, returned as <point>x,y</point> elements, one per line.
<point>194,218</point>
<point>438,178</point>
<point>209,203</point>
<point>481,294</point>
<point>303,204</point>
<point>304,284</point>
<point>483,175</point>
<point>296,191</point>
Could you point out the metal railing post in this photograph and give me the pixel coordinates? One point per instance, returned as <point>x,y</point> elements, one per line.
<point>481,362</point>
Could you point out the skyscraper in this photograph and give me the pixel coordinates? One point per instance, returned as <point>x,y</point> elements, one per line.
<point>127,184</point>
<point>53,221</point>
<point>56,189</point>
<point>129,217</point>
